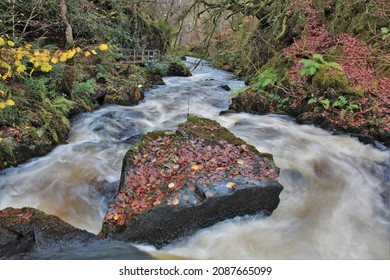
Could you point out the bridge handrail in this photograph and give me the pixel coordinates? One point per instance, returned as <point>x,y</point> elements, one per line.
<point>140,55</point>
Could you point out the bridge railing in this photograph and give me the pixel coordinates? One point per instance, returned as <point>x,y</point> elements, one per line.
<point>140,55</point>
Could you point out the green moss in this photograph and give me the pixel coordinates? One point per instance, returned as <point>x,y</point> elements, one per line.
<point>211,131</point>
<point>360,18</point>
<point>330,78</point>
<point>280,65</point>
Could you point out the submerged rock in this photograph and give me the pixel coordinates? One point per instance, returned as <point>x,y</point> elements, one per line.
<point>174,183</point>
<point>28,233</point>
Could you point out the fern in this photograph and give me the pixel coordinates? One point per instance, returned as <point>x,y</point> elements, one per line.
<point>63,105</point>
<point>265,79</point>
<point>319,58</point>
<point>84,87</point>
<point>312,100</point>
<point>325,103</point>
<point>311,66</point>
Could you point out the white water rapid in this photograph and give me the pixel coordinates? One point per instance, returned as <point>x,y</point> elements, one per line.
<point>333,206</point>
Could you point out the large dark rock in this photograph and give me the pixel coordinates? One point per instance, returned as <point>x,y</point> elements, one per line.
<point>173,184</point>
<point>178,69</point>
<point>28,233</point>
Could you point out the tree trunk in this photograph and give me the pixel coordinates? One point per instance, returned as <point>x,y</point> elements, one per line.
<point>68,76</point>
<point>68,32</point>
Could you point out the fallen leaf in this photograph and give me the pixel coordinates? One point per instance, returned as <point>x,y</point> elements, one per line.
<point>175,166</point>
<point>195,167</point>
<point>134,203</point>
<point>171,185</point>
<point>116,217</point>
<point>240,161</point>
<point>121,222</point>
<point>230,185</point>
<point>175,201</point>
<point>157,202</point>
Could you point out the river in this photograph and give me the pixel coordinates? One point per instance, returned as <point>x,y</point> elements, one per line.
<point>332,206</point>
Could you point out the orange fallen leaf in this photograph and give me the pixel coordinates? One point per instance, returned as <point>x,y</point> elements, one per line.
<point>121,222</point>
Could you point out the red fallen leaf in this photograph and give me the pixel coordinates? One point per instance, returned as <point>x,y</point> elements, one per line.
<point>121,221</point>
<point>26,216</point>
<point>134,203</point>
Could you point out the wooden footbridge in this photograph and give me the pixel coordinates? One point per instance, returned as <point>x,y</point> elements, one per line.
<point>139,56</point>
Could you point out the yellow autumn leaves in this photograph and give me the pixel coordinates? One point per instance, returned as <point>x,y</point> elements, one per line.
<point>16,60</point>
<point>9,102</point>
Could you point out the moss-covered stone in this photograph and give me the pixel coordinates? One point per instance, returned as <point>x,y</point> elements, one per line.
<point>174,183</point>
<point>329,78</point>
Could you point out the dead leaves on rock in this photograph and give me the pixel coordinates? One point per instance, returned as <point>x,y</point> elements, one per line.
<point>165,165</point>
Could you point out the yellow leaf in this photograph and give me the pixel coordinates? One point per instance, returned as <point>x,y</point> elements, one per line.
<point>54,60</point>
<point>2,41</point>
<point>230,185</point>
<point>63,57</point>
<point>10,102</point>
<point>171,185</point>
<point>18,55</point>
<point>103,47</point>
<point>46,67</point>
<point>93,52</point>
<point>70,53</point>
<point>78,49</point>
<point>195,167</point>
<point>2,105</point>
<point>28,46</point>
<point>240,161</point>
<point>5,65</point>
<point>10,43</point>
<point>87,53</point>
<point>2,93</point>
<point>6,76</point>
<point>21,68</point>
<point>46,52</point>
<point>116,217</point>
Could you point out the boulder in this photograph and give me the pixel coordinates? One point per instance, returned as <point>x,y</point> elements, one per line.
<point>178,69</point>
<point>174,183</point>
<point>28,233</point>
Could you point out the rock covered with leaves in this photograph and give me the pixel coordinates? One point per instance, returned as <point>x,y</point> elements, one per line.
<point>174,183</point>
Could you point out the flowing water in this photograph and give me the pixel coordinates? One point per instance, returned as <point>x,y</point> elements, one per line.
<point>334,204</point>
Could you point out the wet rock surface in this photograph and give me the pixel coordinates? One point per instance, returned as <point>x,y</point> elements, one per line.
<point>28,233</point>
<point>174,183</point>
